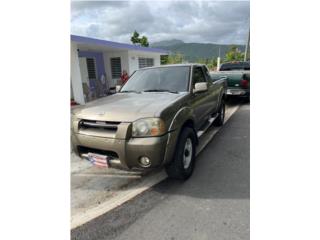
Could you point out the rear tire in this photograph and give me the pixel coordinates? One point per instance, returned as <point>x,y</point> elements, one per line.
<point>183,161</point>
<point>220,119</point>
<point>248,98</point>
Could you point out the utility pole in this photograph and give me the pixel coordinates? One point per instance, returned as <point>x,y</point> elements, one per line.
<point>218,61</point>
<point>247,47</point>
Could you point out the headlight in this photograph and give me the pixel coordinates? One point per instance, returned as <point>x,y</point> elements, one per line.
<point>148,127</point>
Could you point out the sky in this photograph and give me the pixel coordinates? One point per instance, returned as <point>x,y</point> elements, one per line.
<point>223,22</point>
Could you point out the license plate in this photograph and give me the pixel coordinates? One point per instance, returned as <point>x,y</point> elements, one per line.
<point>98,159</point>
<point>234,92</point>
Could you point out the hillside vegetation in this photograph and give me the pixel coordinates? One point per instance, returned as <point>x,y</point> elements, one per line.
<point>195,52</point>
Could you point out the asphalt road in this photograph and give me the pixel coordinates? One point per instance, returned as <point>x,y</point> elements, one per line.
<point>213,204</point>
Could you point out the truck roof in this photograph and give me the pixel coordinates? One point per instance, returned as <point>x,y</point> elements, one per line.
<point>236,62</point>
<point>176,65</point>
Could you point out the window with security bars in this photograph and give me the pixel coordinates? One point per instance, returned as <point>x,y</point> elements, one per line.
<point>145,62</point>
<point>91,65</point>
<point>116,67</point>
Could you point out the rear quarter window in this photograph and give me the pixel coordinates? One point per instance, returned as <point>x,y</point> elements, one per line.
<point>235,66</point>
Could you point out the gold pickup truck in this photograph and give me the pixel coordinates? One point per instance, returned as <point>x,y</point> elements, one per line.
<point>155,120</point>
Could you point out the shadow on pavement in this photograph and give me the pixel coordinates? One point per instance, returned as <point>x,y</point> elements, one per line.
<point>235,100</point>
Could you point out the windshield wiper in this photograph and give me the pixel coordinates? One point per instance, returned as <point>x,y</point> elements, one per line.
<point>128,91</point>
<point>160,90</point>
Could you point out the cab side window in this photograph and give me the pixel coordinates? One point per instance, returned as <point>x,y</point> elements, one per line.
<point>207,74</point>
<point>198,76</point>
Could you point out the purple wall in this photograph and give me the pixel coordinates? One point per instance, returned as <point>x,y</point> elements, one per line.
<point>99,60</point>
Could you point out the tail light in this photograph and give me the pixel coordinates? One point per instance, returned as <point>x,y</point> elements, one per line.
<point>244,83</point>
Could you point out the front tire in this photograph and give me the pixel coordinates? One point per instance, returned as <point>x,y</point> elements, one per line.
<point>183,162</point>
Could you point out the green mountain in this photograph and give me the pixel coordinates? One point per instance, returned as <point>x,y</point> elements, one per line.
<point>194,51</point>
<point>167,43</point>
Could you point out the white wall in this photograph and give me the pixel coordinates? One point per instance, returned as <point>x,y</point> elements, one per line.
<point>76,75</point>
<point>129,62</point>
<point>124,64</point>
<point>157,61</point>
<point>134,62</point>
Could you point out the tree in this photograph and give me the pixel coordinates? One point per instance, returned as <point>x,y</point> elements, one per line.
<point>171,59</point>
<point>143,41</point>
<point>212,64</point>
<point>135,37</point>
<point>175,58</point>
<point>234,54</point>
<point>164,59</point>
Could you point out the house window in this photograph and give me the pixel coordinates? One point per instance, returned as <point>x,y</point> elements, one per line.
<point>145,62</point>
<point>116,67</point>
<point>91,65</point>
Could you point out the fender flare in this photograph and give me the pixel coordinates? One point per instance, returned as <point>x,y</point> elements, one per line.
<point>180,118</point>
<point>221,96</point>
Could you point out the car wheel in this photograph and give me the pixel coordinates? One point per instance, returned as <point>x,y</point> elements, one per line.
<point>183,162</point>
<point>220,119</point>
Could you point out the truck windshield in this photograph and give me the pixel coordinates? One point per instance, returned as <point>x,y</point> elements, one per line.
<point>162,79</point>
<point>235,66</point>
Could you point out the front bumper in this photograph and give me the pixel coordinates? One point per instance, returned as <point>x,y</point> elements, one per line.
<point>125,153</point>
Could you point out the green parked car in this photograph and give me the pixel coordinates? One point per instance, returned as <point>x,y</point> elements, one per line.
<point>237,75</point>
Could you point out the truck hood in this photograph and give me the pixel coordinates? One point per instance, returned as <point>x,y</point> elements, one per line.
<point>126,107</point>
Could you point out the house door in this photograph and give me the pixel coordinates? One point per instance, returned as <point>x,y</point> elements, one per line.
<point>89,78</point>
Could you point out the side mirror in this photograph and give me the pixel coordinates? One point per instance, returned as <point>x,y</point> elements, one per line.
<point>118,88</point>
<point>200,87</point>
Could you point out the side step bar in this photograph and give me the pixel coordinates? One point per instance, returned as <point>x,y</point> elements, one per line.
<point>208,124</point>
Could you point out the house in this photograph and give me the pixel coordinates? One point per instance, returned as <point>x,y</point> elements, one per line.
<point>97,64</point>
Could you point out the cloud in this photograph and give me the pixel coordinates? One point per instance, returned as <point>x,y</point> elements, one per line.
<point>190,21</point>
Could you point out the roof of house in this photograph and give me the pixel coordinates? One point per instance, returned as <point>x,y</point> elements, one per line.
<point>99,42</point>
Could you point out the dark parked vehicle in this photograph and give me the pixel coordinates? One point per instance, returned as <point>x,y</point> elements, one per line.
<point>238,78</point>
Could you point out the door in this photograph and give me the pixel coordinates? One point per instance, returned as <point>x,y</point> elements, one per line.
<point>89,78</point>
<point>84,77</point>
<point>199,99</point>
<point>213,92</point>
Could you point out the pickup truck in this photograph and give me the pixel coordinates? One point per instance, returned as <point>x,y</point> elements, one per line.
<point>155,120</point>
<point>237,75</point>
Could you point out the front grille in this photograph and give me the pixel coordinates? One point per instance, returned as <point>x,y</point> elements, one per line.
<point>91,124</point>
<point>86,150</point>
